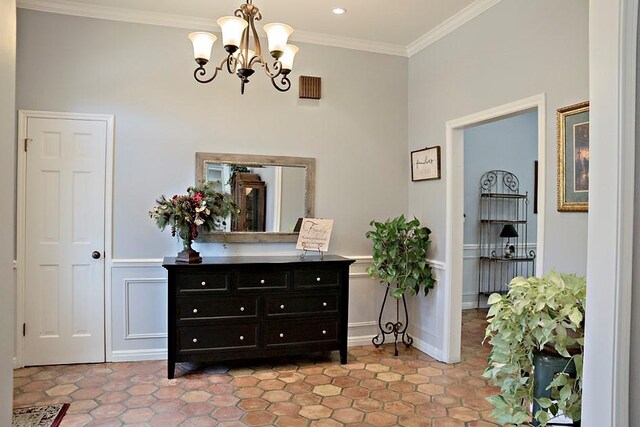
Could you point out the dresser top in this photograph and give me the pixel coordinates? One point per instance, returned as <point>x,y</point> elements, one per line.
<point>309,259</point>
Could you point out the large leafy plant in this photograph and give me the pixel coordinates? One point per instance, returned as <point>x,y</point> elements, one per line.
<point>537,314</point>
<point>400,255</point>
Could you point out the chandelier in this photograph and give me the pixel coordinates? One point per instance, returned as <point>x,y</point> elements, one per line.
<point>241,41</point>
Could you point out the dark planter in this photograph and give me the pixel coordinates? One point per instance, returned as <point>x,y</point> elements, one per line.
<point>546,366</point>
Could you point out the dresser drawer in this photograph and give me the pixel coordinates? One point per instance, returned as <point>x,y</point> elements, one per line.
<point>203,282</point>
<point>214,308</point>
<point>316,278</point>
<point>295,305</point>
<point>282,334</point>
<point>196,339</point>
<point>268,279</point>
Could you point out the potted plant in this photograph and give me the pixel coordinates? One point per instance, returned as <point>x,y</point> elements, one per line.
<point>202,206</point>
<point>536,332</point>
<point>400,263</point>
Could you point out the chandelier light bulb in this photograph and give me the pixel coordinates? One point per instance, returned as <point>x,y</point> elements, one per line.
<point>277,35</point>
<point>232,29</point>
<point>287,57</point>
<point>202,44</point>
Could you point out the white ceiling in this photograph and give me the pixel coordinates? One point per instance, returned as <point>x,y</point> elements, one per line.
<point>397,27</point>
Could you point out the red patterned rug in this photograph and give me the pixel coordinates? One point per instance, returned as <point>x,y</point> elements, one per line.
<point>39,416</point>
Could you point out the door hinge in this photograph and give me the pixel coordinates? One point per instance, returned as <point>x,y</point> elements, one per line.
<point>24,329</point>
<point>26,143</point>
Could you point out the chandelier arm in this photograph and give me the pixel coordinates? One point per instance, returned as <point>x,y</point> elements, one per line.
<point>256,38</point>
<point>285,82</point>
<point>201,72</point>
<point>232,64</point>
<point>275,72</point>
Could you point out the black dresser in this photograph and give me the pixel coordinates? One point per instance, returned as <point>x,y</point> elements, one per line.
<point>249,307</point>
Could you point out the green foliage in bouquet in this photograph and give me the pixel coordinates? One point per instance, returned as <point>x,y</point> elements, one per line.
<point>202,206</point>
<point>400,256</point>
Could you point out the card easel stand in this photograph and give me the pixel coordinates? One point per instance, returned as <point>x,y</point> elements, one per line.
<point>306,249</point>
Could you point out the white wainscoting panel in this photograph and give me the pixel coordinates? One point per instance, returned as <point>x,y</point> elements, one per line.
<point>138,311</point>
<point>426,314</point>
<point>138,327</point>
<point>145,308</point>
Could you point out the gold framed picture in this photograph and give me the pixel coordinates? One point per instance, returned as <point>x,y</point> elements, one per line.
<point>573,158</point>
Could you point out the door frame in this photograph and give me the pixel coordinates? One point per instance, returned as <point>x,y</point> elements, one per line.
<point>454,171</point>
<point>21,226</point>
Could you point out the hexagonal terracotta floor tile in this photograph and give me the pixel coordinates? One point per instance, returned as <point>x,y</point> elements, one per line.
<point>315,412</point>
<point>327,390</point>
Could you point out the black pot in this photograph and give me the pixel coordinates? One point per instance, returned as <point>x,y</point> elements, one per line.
<point>546,366</point>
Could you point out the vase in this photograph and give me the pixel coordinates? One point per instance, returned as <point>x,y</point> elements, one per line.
<point>188,255</point>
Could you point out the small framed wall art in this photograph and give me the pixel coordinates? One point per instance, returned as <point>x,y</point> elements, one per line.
<point>573,158</point>
<point>425,164</point>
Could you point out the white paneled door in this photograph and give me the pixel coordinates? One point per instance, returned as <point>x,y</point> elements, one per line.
<point>64,241</point>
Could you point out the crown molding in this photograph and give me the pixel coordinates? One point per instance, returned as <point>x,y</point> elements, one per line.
<point>453,23</point>
<point>67,7</point>
<point>75,8</point>
<point>349,43</point>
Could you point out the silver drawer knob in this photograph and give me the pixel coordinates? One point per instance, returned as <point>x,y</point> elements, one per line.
<point>241,338</point>
<point>317,279</point>
<point>241,308</point>
<point>281,306</point>
<point>262,281</point>
<point>281,335</point>
<point>324,332</point>
<point>324,304</point>
<point>204,283</point>
<point>195,310</point>
<point>195,340</point>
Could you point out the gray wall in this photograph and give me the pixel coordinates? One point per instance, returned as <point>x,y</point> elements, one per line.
<point>7,207</point>
<point>143,75</point>
<point>634,379</point>
<point>514,50</point>
<point>509,144</point>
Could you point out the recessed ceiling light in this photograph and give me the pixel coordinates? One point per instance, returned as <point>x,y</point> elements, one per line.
<point>339,10</point>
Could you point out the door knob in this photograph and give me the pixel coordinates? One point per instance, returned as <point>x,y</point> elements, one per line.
<point>95,254</point>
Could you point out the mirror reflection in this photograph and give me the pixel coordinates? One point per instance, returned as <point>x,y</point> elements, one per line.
<point>272,193</point>
<point>270,198</point>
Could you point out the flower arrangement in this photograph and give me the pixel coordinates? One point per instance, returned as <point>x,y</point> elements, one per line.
<point>202,206</point>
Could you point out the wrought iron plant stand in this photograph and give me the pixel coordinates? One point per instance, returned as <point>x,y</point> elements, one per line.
<point>397,328</point>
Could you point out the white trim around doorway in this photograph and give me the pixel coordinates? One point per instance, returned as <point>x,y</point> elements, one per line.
<point>454,167</point>
<point>23,116</point>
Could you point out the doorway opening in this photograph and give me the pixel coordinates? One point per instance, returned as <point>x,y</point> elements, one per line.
<point>455,208</point>
<point>500,205</point>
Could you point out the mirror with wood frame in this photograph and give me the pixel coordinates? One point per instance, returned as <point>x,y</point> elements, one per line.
<point>272,193</point>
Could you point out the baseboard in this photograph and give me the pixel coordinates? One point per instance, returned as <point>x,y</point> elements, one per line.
<point>15,363</point>
<point>359,341</point>
<point>469,305</point>
<point>138,355</point>
<point>428,349</point>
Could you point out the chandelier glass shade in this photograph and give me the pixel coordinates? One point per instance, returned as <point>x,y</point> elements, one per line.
<point>242,44</point>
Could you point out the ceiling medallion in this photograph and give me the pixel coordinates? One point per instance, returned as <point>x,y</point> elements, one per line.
<point>241,41</point>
